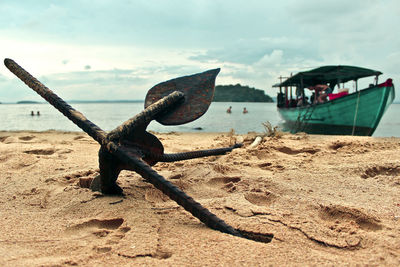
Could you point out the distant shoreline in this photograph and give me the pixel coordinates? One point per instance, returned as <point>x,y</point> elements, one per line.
<point>113,101</point>
<point>76,102</point>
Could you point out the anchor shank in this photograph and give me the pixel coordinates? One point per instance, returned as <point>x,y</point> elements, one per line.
<point>75,116</point>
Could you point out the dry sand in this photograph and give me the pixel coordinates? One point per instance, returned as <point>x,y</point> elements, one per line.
<point>327,200</point>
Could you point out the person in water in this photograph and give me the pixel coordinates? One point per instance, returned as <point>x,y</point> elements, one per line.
<point>32,113</point>
<point>229,110</point>
<point>245,110</point>
<point>38,113</point>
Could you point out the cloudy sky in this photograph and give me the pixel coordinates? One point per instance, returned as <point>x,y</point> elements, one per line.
<point>108,49</point>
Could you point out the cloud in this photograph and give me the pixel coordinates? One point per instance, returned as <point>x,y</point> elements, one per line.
<point>314,12</point>
<point>172,23</point>
<point>93,85</point>
<point>250,51</point>
<point>114,84</point>
<point>145,42</point>
<point>270,60</point>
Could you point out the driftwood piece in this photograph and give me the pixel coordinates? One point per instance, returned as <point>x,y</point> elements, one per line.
<point>256,142</point>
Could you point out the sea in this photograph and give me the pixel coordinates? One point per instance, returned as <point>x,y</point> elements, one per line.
<point>17,117</point>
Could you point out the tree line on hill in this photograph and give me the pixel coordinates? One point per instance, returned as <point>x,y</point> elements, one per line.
<point>239,93</point>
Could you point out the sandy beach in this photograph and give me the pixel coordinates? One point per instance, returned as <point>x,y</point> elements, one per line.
<point>326,200</point>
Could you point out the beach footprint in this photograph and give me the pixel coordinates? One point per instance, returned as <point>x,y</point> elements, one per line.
<point>385,170</point>
<point>26,137</point>
<point>269,166</point>
<point>228,183</point>
<point>224,180</point>
<point>349,216</point>
<point>74,176</point>
<point>260,198</point>
<point>41,151</point>
<point>3,138</point>
<point>106,231</point>
<point>93,224</point>
<point>292,151</point>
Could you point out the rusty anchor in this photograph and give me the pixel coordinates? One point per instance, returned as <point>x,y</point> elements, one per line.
<point>131,147</point>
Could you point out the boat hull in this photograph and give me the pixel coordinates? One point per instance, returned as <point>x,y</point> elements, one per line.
<point>358,113</point>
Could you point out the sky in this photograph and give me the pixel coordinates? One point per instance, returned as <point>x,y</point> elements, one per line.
<point>118,50</point>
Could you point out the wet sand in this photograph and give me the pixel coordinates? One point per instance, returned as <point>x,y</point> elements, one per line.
<point>327,200</point>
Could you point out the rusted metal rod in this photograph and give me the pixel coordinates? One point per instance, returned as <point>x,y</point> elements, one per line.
<point>195,208</point>
<point>146,116</point>
<point>75,116</point>
<point>192,154</point>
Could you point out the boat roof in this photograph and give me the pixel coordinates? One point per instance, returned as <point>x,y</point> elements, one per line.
<point>328,74</point>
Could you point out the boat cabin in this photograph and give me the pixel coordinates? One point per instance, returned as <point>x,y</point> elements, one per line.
<point>321,83</point>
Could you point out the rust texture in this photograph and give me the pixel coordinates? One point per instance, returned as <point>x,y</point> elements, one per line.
<point>146,116</point>
<point>131,147</point>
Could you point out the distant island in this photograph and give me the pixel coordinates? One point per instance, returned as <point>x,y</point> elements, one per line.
<point>28,102</point>
<point>239,93</point>
<point>222,93</point>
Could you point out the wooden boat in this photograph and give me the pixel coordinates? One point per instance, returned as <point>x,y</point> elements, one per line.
<point>343,113</point>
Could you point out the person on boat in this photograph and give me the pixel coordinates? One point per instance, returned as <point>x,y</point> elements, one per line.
<point>315,94</point>
<point>229,110</point>
<point>324,94</point>
<point>301,103</point>
<point>321,92</point>
<point>245,110</point>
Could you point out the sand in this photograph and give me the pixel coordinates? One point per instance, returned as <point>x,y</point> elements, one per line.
<point>327,200</point>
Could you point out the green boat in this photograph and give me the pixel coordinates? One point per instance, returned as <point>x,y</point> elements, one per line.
<point>341,113</point>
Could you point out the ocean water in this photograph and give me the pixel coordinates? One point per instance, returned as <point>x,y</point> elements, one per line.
<point>107,116</point>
